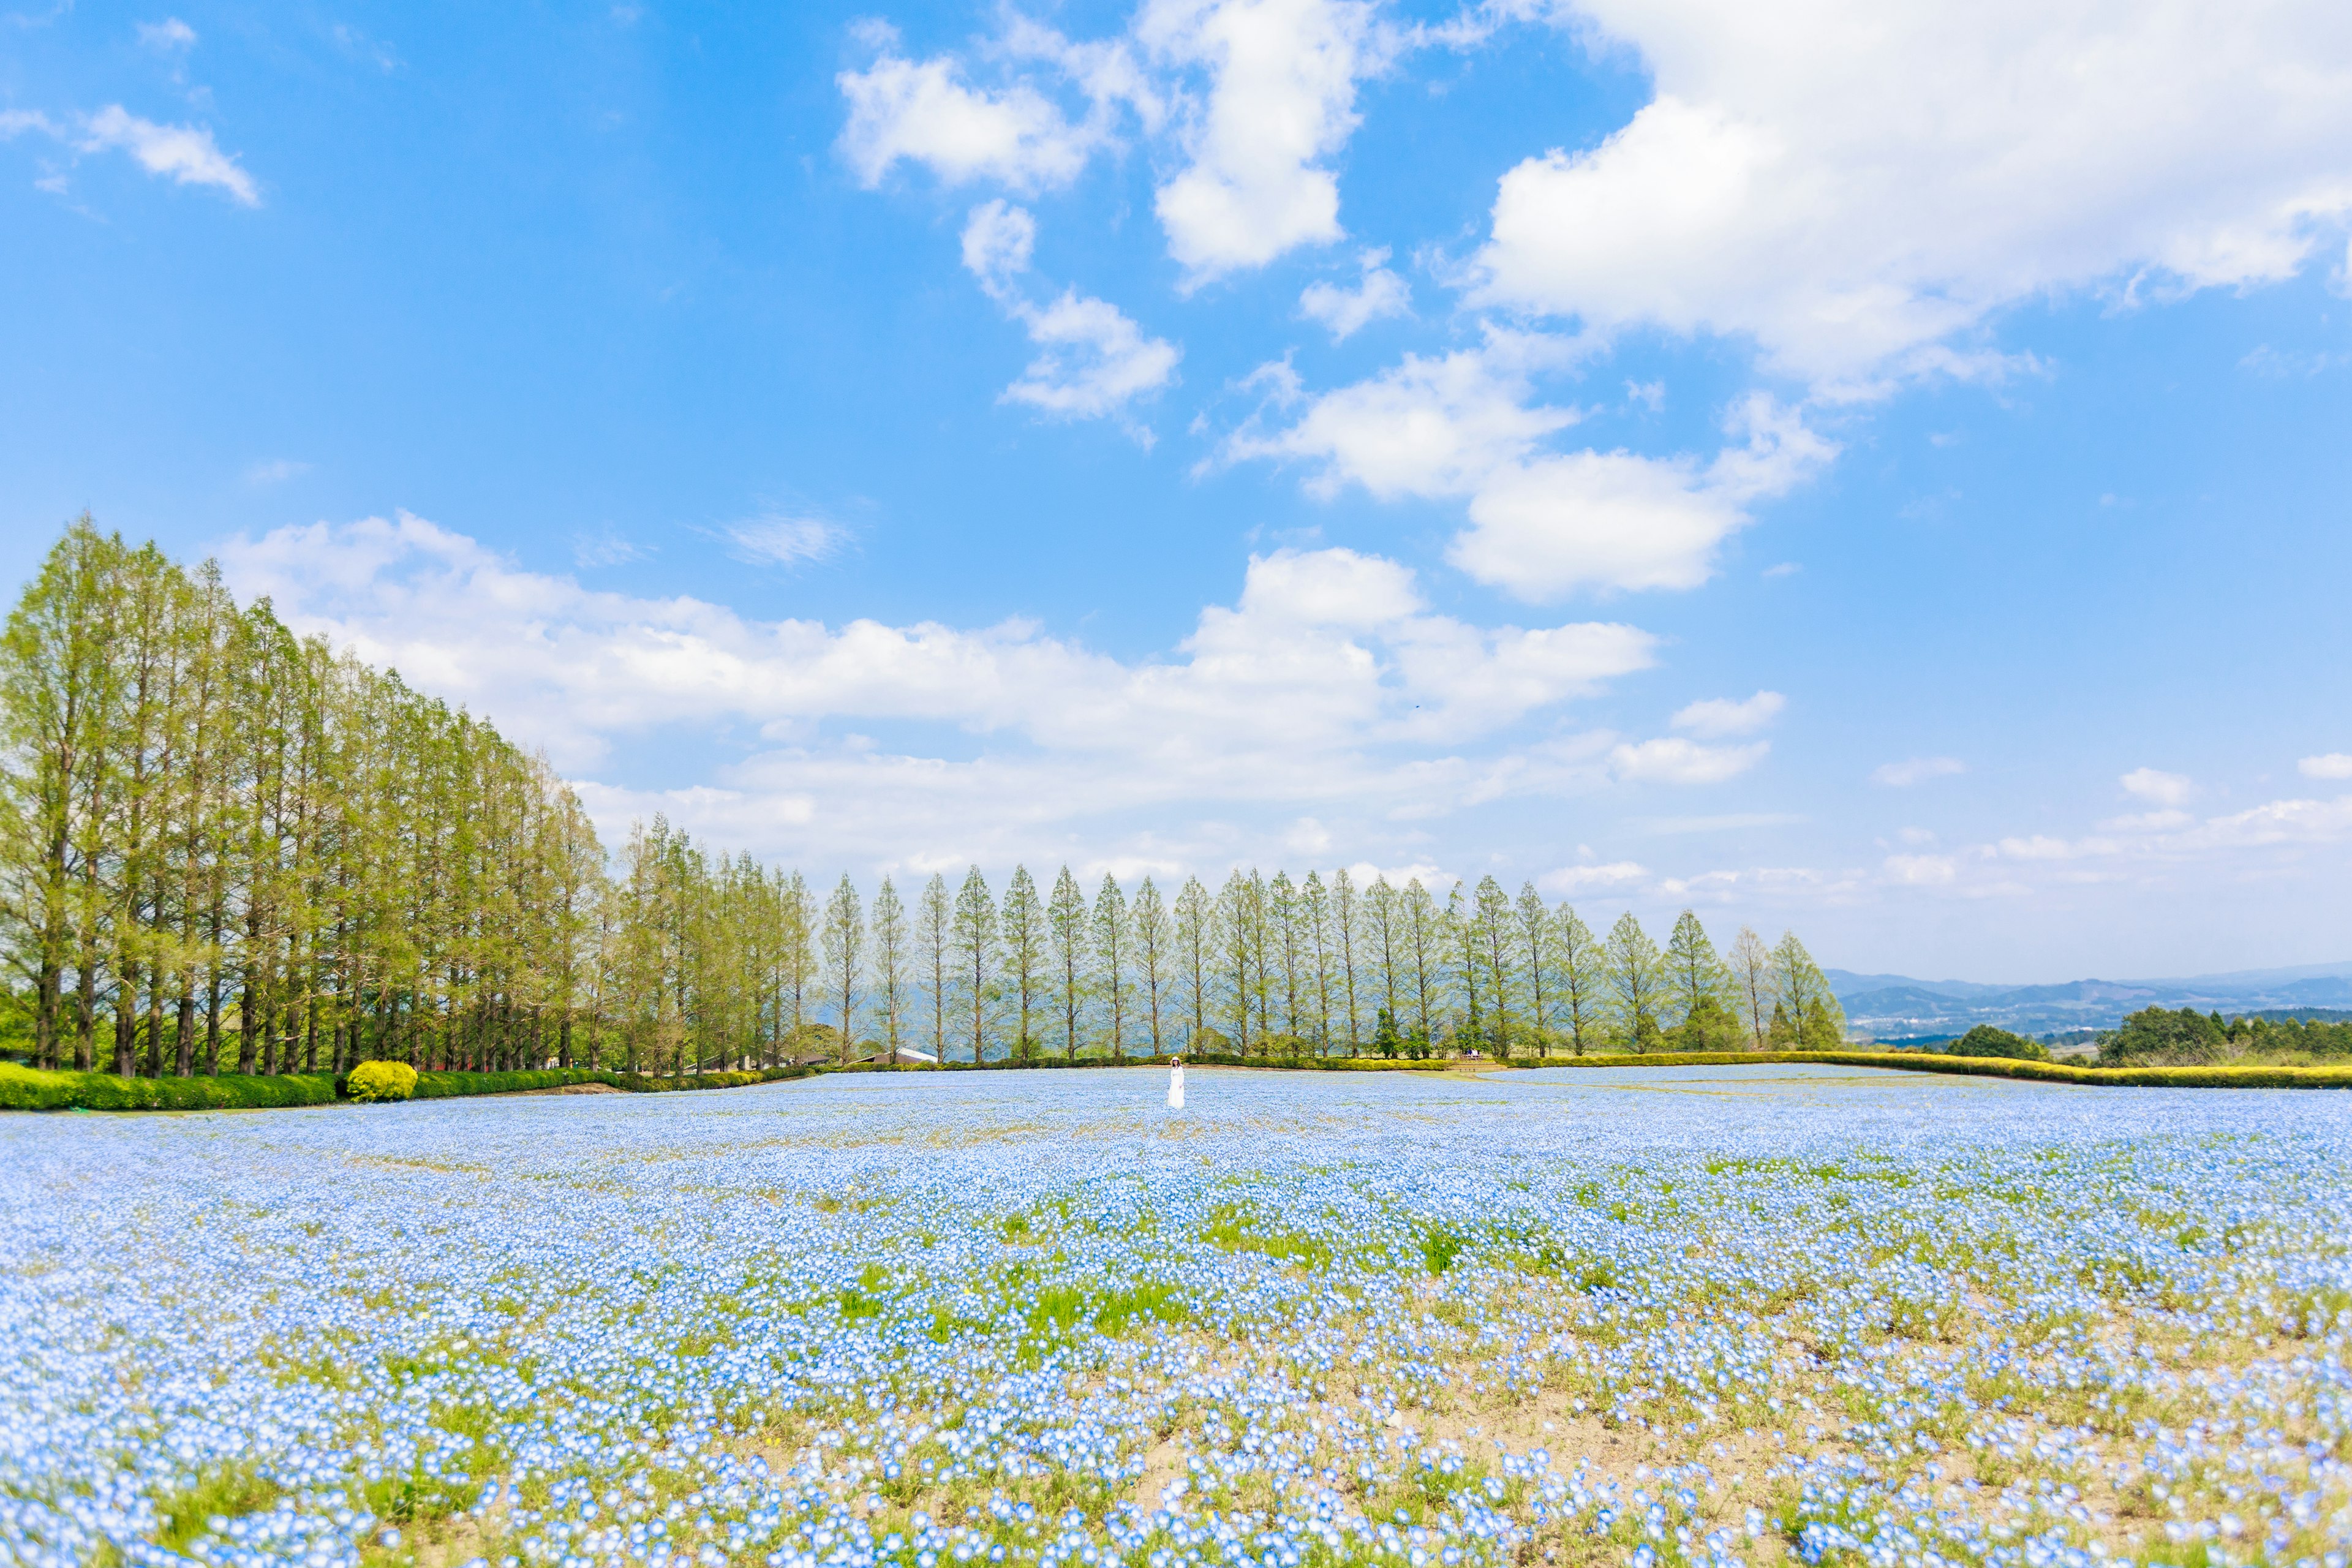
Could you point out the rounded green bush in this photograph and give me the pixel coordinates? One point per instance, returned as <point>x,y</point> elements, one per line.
<point>382,1080</point>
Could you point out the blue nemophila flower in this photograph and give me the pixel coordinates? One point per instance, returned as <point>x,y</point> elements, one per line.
<point>895,1320</point>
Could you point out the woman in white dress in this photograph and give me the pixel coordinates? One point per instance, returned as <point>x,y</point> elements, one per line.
<point>1176,1085</point>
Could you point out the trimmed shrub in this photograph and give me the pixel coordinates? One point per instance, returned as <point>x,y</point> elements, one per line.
<point>381,1082</point>
<point>452,1085</point>
<point>29,1089</point>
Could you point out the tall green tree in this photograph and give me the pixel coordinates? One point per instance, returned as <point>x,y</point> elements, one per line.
<point>1635,974</point>
<point>1384,931</point>
<point>1069,950</point>
<point>1022,925</point>
<point>1154,944</point>
<point>1802,993</point>
<point>1423,931</point>
<point>845,960</point>
<point>977,957</point>
<point>935,959</point>
<point>890,960</point>
<point>1196,950</point>
<point>1344,938</point>
<point>1697,983</point>
<point>1752,981</point>
<point>1534,946</point>
<point>1113,959</point>
<point>1315,919</point>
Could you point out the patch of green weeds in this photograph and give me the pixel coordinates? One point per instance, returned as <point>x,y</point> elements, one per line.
<point>1241,1227</point>
<point>231,1491</point>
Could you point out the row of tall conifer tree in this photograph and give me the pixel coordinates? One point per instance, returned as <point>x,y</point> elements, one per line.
<point>231,849</point>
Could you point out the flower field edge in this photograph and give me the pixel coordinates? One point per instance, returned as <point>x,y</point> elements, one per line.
<point>27,1089</point>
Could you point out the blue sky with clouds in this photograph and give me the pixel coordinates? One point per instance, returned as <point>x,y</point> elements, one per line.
<point>1882,474</point>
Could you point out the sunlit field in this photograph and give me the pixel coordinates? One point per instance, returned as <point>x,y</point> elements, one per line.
<point>1704,1315</point>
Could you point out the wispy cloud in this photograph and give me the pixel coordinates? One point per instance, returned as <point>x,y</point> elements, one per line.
<point>185,153</point>
<point>169,36</point>
<point>1915,770</point>
<point>781,540</point>
<point>275,471</point>
<point>1720,716</point>
<point>1727,822</point>
<point>606,548</point>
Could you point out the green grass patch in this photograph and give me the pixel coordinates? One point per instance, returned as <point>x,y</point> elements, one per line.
<point>231,1491</point>
<point>1242,1227</point>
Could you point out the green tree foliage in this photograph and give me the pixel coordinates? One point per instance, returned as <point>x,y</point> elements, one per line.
<point>1022,926</point>
<point>1700,990</point>
<point>219,839</point>
<point>1984,1040</point>
<point>1808,1014</point>
<point>976,959</point>
<point>891,955</point>
<point>1583,980</point>
<point>935,959</point>
<point>1068,951</point>
<point>844,939</point>
<point>1152,940</point>
<point>1751,985</point>
<point>1634,973</point>
<point>225,849</point>
<point>2159,1037</point>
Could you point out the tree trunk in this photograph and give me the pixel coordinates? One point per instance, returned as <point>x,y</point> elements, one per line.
<point>183,1036</point>
<point>126,1020</point>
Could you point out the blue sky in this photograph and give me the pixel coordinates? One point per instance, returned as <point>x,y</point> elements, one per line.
<point>1884,479</point>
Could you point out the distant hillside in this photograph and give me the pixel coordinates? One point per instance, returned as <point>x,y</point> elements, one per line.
<point>1897,1005</point>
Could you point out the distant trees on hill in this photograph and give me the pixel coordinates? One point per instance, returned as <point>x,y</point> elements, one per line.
<point>1985,1040</point>
<point>2162,1036</point>
<point>222,845</point>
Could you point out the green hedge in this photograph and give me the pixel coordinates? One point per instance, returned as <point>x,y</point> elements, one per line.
<point>27,1089</point>
<point>1196,1058</point>
<point>2222,1076</point>
<point>24,1089</point>
<point>447,1085</point>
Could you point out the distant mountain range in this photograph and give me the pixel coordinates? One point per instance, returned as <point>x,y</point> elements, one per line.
<point>1896,1006</point>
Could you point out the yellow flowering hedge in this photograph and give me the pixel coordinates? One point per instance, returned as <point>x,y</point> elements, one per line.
<point>381,1080</point>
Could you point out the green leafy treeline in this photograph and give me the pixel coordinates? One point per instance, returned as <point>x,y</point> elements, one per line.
<point>229,849</point>
<point>2160,1036</point>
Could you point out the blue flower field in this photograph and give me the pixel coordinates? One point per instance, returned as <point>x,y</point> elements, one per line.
<point>1567,1316</point>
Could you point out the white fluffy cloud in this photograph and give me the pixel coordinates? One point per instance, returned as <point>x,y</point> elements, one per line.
<point>924,113</point>
<point>1257,96</point>
<point>1095,360</point>
<point>1854,186</point>
<point>1675,761</point>
<point>1347,312</point>
<point>2163,788</point>
<point>1281,98</point>
<point>1569,880</point>
<point>1327,685</point>
<point>1720,716</point>
<point>2333,766</point>
<point>1431,426</point>
<point>1541,524</point>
